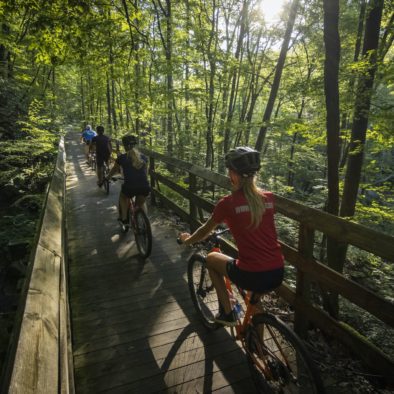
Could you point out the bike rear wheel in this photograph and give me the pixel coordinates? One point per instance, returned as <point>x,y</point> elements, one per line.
<point>271,346</point>
<point>143,233</point>
<point>202,291</point>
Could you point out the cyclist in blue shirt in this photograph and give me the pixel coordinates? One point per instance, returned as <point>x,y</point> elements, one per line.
<point>134,168</point>
<point>87,135</point>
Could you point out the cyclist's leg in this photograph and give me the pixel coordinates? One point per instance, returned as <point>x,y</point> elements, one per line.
<point>99,173</point>
<point>217,266</point>
<point>124,197</point>
<point>123,206</point>
<point>86,150</point>
<point>100,170</point>
<point>140,202</point>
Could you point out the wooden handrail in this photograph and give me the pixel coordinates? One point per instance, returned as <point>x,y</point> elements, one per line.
<point>337,228</point>
<point>310,220</point>
<point>40,358</point>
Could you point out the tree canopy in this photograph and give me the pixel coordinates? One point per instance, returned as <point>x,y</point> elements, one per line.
<point>195,78</point>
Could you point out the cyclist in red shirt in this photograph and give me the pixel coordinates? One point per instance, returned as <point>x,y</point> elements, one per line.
<point>249,213</point>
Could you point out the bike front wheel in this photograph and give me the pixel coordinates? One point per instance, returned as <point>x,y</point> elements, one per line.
<point>202,291</point>
<point>143,233</point>
<point>278,360</point>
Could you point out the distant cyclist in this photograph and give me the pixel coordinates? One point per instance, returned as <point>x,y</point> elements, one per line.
<point>249,213</point>
<point>86,137</point>
<point>134,168</point>
<point>103,147</point>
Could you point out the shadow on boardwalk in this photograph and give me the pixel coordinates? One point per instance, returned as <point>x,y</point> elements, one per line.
<point>133,323</point>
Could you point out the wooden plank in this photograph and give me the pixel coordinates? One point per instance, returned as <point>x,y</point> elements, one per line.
<point>359,295</point>
<point>303,289</point>
<point>34,365</point>
<point>201,172</point>
<point>338,228</point>
<point>114,354</point>
<point>38,340</point>
<point>183,351</point>
<point>146,318</point>
<point>144,378</point>
<point>194,198</point>
<point>65,351</point>
<point>179,211</point>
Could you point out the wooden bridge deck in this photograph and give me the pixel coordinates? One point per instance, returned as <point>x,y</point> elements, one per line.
<point>134,327</point>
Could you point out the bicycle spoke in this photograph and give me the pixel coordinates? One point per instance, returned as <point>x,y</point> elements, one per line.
<point>277,359</point>
<point>143,233</point>
<point>202,291</point>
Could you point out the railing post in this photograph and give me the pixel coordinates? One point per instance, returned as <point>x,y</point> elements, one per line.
<point>305,247</point>
<point>192,205</point>
<point>152,179</point>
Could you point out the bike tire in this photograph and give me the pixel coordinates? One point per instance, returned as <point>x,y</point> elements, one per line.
<point>143,233</point>
<point>202,291</point>
<point>298,374</point>
<point>94,164</point>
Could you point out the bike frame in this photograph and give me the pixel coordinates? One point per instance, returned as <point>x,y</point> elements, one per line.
<point>132,209</point>
<point>242,325</point>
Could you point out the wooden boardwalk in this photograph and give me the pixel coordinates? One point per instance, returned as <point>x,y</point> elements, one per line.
<point>133,324</point>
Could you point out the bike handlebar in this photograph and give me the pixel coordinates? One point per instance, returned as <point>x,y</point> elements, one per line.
<point>211,238</point>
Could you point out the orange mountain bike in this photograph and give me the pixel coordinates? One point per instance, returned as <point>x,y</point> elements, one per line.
<point>277,358</point>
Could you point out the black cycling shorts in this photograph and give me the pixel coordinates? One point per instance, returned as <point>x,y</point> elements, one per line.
<point>259,282</point>
<point>101,159</point>
<point>131,191</point>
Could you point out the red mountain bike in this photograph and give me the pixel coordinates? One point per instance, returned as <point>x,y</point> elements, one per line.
<point>138,221</point>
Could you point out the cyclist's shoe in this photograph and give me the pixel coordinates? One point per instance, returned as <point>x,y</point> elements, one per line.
<point>124,225</point>
<point>227,319</point>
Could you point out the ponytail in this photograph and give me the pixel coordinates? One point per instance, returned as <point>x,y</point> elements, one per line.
<point>255,200</point>
<point>135,157</point>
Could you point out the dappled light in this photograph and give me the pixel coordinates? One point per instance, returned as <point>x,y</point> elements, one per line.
<point>150,149</point>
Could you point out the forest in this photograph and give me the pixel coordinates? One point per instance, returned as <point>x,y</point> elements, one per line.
<point>311,88</point>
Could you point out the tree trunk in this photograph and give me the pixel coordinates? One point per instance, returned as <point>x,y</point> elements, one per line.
<point>210,86</point>
<point>331,71</point>
<point>331,89</point>
<point>5,64</point>
<point>361,111</point>
<point>234,76</point>
<point>345,115</point>
<point>109,108</point>
<point>357,141</point>
<point>277,77</point>
<point>167,45</point>
<point>83,101</point>
<point>170,82</point>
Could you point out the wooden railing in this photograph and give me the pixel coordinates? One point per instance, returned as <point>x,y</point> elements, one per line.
<point>308,268</point>
<point>40,357</point>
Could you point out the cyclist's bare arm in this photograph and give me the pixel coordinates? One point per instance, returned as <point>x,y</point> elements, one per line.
<point>114,170</point>
<point>200,234</point>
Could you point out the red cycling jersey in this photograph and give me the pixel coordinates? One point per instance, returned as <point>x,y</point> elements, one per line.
<point>258,248</point>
